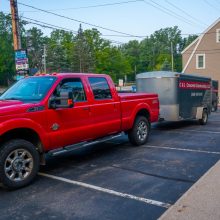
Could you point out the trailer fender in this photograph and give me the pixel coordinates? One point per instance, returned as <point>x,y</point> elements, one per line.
<point>199,111</point>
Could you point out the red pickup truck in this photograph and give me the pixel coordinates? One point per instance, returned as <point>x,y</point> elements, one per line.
<point>57,112</point>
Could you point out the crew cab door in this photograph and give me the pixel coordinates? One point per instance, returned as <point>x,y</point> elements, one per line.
<point>70,125</point>
<point>105,108</point>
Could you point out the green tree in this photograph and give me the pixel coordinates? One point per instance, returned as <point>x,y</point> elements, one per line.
<point>154,52</point>
<point>84,59</point>
<point>112,62</point>
<point>59,48</point>
<point>35,42</point>
<point>162,41</point>
<point>132,52</point>
<point>7,62</point>
<point>186,41</point>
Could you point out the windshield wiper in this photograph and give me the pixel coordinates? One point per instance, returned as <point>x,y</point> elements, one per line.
<point>12,98</point>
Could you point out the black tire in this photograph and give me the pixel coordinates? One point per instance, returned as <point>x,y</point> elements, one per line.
<point>204,119</point>
<point>214,107</point>
<point>19,163</point>
<point>139,133</point>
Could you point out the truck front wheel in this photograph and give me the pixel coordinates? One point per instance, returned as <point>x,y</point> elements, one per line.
<point>19,163</point>
<point>139,133</point>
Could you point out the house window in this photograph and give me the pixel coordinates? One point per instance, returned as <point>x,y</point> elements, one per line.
<point>200,61</point>
<point>218,35</point>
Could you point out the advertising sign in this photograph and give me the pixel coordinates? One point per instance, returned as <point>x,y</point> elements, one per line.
<point>21,60</point>
<point>183,84</point>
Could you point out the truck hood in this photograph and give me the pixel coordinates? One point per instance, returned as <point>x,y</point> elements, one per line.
<point>8,107</point>
<point>6,103</point>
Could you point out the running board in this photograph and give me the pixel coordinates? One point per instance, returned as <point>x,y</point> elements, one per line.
<point>81,145</point>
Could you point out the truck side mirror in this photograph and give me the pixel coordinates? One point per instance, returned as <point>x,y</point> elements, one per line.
<point>64,100</point>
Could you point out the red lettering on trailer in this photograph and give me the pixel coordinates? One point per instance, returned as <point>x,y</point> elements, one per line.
<point>194,85</point>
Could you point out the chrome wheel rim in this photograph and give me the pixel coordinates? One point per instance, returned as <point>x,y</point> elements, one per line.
<point>18,165</point>
<point>142,130</point>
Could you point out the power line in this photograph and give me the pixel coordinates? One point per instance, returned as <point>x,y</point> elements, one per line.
<point>167,11</point>
<point>42,24</point>
<point>55,27</point>
<point>211,5</point>
<point>186,13</point>
<point>51,26</point>
<point>76,20</point>
<point>97,26</point>
<point>92,6</point>
<point>46,25</point>
<point>145,36</point>
<point>217,1</point>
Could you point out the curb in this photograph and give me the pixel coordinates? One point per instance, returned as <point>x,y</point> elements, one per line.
<point>201,201</point>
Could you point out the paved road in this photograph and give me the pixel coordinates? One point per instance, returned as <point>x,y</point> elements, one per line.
<point>115,180</point>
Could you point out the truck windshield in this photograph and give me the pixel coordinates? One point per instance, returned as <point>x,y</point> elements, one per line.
<point>29,89</point>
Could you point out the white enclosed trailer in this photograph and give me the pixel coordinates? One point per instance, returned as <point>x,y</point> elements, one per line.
<point>181,96</point>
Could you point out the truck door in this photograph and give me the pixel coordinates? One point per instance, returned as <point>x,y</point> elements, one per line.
<point>105,108</point>
<point>186,100</point>
<point>70,125</point>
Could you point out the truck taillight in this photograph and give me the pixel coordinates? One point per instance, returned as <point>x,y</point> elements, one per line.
<point>156,102</point>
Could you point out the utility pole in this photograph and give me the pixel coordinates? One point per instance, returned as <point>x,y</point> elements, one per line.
<point>15,25</point>
<point>21,59</point>
<point>172,55</point>
<point>44,59</point>
<point>135,72</point>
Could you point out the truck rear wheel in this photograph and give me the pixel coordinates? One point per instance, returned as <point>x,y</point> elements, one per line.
<point>204,119</point>
<point>19,163</point>
<point>139,133</point>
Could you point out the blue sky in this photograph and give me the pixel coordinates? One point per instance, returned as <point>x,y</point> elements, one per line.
<point>139,17</point>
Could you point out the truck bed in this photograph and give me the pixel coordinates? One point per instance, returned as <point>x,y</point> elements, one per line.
<point>129,101</point>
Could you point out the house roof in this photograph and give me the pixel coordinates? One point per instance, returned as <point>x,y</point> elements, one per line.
<point>201,35</point>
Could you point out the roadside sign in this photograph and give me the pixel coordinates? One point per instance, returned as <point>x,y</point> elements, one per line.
<point>21,60</point>
<point>120,82</point>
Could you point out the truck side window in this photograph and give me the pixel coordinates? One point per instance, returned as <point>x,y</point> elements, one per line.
<point>74,85</point>
<point>100,88</point>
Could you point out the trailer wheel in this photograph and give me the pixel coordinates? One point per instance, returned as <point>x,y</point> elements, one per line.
<point>214,107</point>
<point>19,163</point>
<point>139,133</point>
<point>204,119</point>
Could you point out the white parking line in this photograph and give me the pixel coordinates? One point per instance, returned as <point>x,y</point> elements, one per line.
<point>183,149</point>
<point>189,130</point>
<point>109,191</point>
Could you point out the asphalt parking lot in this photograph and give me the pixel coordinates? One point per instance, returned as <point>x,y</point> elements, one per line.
<point>115,180</point>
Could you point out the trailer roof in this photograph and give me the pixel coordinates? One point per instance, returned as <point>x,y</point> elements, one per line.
<point>168,74</point>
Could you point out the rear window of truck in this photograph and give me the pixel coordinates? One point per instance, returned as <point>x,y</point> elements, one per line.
<point>100,88</point>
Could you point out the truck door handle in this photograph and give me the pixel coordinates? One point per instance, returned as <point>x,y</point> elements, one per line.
<point>86,108</point>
